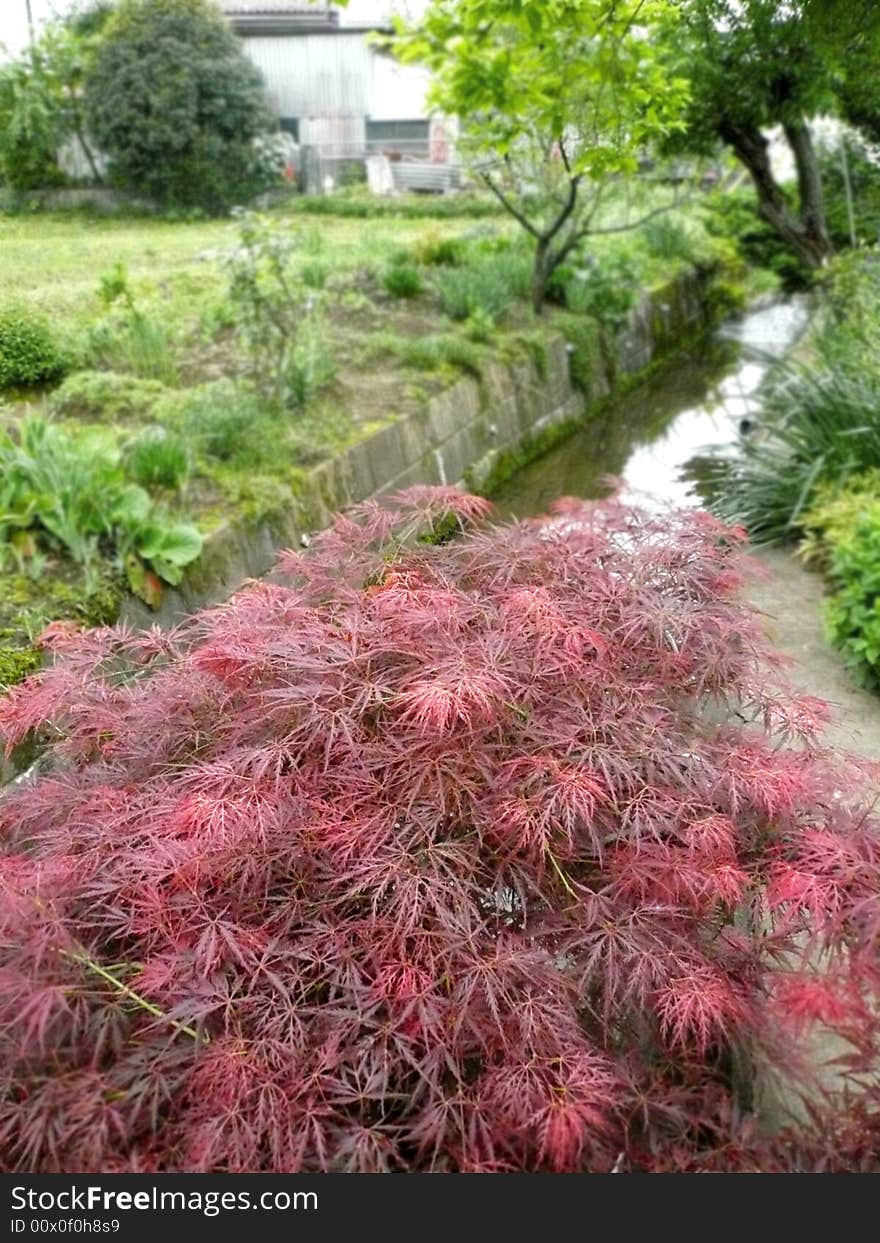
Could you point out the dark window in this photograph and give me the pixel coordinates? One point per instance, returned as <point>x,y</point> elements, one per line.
<point>408,134</point>
<point>290,125</point>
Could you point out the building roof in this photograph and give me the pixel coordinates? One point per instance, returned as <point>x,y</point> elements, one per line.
<point>278,17</point>
<point>268,7</point>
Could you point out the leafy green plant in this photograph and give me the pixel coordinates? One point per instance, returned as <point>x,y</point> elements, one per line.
<point>135,342</point>
<point>113,286</point>
<point>817,426</point>
<point>68,490</point>
<point>479,325</point>
<point>312,365</point>
<point>314,273</point>
<point>29,353</point>
<point>432,249</point>
<point>733,215</point>
<point>222,421</point>
<point>402,280</point>
<point>158,459</point>
<point>128,339</point>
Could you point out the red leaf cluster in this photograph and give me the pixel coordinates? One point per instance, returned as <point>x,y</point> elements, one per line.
<point>437,856</point>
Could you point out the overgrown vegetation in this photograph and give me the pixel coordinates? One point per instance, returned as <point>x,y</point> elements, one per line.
<point>472,883</point>
<point>277,315</point>
<point>219,362</point>
<point>818,423</point>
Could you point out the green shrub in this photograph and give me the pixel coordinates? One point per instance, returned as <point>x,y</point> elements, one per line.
<point>733,214</point>
<point>864,177</point>
<point>278,318</point>
<point>480,326</point>
<point>158,459</point>
<point>29,353</point>
<point>177,107</point>
<point>106,396</point>
<point>402,280</point>
<point>432,249</point>
<point>844,528</point>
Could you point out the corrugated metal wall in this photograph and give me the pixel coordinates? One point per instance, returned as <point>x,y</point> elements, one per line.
<point>315,75</point>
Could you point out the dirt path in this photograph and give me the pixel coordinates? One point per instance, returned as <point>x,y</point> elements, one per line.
<point>792,601</point>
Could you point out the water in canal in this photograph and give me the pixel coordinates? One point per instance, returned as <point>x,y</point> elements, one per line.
<point>657,438</point>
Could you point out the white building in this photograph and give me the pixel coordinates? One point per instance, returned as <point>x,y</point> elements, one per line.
<point>329,87</point>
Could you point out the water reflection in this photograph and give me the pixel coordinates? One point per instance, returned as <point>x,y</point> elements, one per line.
<point>659,438</point>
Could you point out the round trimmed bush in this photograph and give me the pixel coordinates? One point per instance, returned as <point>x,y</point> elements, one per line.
<point>29,353</point>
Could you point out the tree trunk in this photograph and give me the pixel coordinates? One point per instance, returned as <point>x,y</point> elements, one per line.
<point>87,150</point>
<point>540,275</point>
<point>810,193</point>
<point>806,234</point>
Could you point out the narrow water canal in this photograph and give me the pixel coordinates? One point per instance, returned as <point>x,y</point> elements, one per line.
<point>657,437</point>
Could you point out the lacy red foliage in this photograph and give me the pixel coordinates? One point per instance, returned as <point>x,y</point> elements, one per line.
<point>442,856</point>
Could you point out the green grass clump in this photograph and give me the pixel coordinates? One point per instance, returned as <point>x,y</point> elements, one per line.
<point>158,459</point>
<point>433,352</point>
<point>134,342</point>
<point>222,421</point>
<point>402,280</point>
<point>486,284</point>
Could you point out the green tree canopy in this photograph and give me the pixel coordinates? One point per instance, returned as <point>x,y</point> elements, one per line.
<point>756,64</point>
<point>556,98</point>
<point>175,105</point>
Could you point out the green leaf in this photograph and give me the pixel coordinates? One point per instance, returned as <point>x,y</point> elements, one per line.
<point>177,545</point>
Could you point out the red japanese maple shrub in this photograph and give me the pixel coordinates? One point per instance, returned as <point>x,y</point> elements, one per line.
<point>488,855</point>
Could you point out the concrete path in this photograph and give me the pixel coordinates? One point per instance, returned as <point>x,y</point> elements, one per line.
<point>792,601</point>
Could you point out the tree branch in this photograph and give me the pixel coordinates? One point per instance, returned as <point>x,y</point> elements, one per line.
<point>573,186</point>
<point>508,206</point>
<point>624,228</point>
